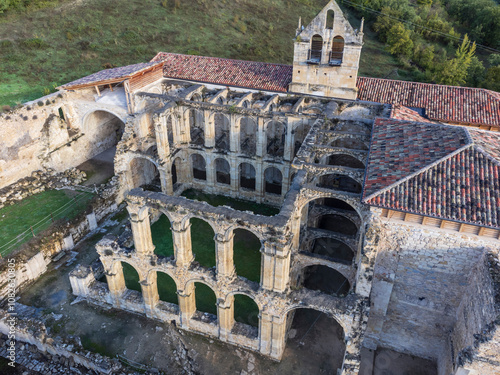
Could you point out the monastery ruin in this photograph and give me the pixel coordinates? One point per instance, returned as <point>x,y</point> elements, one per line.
<point>388,195</point>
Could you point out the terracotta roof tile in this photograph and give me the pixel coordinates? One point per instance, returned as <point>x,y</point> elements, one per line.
<point>249,74</point>
<point>457,180</point>
<point>400,112</point>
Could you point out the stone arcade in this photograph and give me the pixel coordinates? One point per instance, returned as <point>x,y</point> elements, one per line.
<point>388,192</point>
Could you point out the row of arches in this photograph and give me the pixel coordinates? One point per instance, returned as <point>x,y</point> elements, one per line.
<point>336,50</point>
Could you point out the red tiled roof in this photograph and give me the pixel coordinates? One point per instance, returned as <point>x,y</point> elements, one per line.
<point>400,112</point>
<point>457,179</point>
<point>248,74</point>
<point>119,73</point>
<point>441,103</point>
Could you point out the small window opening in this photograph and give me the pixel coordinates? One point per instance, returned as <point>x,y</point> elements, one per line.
<point>61,114</point>
<point>316,50</point>
<point>337,53</point>
<point>330,17</point>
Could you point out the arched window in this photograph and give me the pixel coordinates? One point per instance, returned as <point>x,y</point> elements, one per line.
<point>247,176</point>
<point>330,17</point>
<point>316,50</point>
<point>337,54</point>
<point>222,171</point>
<point>199,167</point>
<point>162,237</point>
<point>273,180</point>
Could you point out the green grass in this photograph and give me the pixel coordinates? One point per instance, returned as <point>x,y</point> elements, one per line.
<point>203,243</point>
<point>246,247</point>
<point>166,288</point>
<point>131,277</point>
<point>205,299</point>
<point>246,310</point>
<point>35,211</point>
<point>237,204</point>
<point>43,48</point>
<point>162,237</point>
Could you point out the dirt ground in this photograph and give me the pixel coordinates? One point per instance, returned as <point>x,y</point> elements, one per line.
<point>100,168</point>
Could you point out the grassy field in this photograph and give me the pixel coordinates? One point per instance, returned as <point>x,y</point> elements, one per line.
<point>35,211</point>
<point>43,48</point>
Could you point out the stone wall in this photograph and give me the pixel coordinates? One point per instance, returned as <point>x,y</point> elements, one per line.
<point>434,282</point>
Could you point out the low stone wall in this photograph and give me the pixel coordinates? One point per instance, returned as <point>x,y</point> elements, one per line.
<point>39,181</point>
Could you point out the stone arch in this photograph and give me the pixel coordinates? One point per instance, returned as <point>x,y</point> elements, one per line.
<point>337,54</point>
<point>316,49</point>
<point>334,249</point>
<point>318,332</point>
<point>344,160</point>
<point>103,130</point>
<point>131,276</point>
<point>247,176</point>
<point>334,200</point>
<point>205,297</point>
<point>222,132</point>
<point>246,310</point>
<point>222,171</point>
<point>144,172</point>
<point>337,181</point>
<point>275,138</point>
<point>273,180</point>
<point>195,97</point>
<point>199,167</point>
<point>166,287</point>
<point>347,141</point>
<point>204,249</point>
<point>325,279</point>
<point>245,104</point>
<point>247,254</point>
<point>196,123</point>
<point>161,235</point>
<point>248,136</point>
<point>299,134</point>
<point>337,223</point>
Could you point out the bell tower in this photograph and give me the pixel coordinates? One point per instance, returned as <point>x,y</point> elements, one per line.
<point>326,55</point>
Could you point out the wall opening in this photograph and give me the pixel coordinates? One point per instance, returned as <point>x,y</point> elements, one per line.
<point>131,277</point>
<point>299,134</point>
<point>333,249</point>
<point>325,279</point>
<point>246,254</point>
<point>316,49</point>
<point>273,181</point>
<point>248,136</point>
<point>337,54</point>
<point>197,127</point>
<point>203,243</point>
<point>247,176</point>
<point>338,224</point>
<point>170,131</point>
<point>351,143</point>
<point>205,299</point>
<point>167,290</point>
<point>339,182</point>
<point>222,171</point>
<point>246,311</point>
<point>275,135</point>
<point>175,169</point>
<point>162,237</point>
<point>330,17</point>
<point>199,167</point>
<point>144,174</point>
<point>222,131</point>
<point>343,160</point>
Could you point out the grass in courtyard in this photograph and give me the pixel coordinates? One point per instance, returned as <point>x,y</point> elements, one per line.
<point>131,277</point>
<point>205,299</point>
<point>65,40</point>
<point>247,259</point>
<point>237,204</point>
<point>162,237</point>
<point>167,290</point>
<point>203,243</point>
<point>35,211</point>
<point>246,310</point>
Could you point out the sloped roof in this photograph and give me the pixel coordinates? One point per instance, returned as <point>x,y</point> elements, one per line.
<point>442,171</point>
<point>400,112</point>
<point>441,103</point>
<point>110,75</point>
<point>248,74</point>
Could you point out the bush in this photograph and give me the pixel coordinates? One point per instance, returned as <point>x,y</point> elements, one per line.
<point>35,43</point>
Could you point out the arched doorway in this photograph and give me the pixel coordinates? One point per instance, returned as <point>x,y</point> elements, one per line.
<point>144,174</point>
<point>222,131</point>
<point>246,311</point>
<point>167,290</point>
<point>196,127</point>
<point>205,298</point>
<point>162,237</point>
<point>247,176</point>
<point>202,242</point>
<point>199,167</point>
<point>131,276</point>
<point>222,171</point>
<point>321,336</point>
<point>273,181</point>
<point>248,136</point>
<point>246,254</point>
<point>275,136</point>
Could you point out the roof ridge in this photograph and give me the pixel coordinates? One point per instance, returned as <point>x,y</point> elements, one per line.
<point>470,144</point>
<point>224,58</point>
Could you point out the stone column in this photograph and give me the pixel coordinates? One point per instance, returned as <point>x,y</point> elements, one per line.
<point>259,179</point>
<point>164,180</point>
<point>295,229</point>
<point>116,284</point>
<point>141,229</point>
<point>261,138</point>
<point>187,305</point>
<point>275,270</point>
<point>225,311</point>
<point>285,182</point>
<point>150,294</point>
<point>161,137</point>
<point>272,335</point>
<point>210,168</point>
<point>169,186</point>
<point>234,134</point>
<point>181,237</point>
<point>288,152</point>
<point>209,130</point>
<point>233,162</point>
<point>224,251</point>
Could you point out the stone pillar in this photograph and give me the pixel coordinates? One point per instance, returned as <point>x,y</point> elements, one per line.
<point>225,312</point>
<point>275,270</point>
<point>224,251</point>
<point>169,186</point>
<point>272,335</point>
<point>209,130</point>
<point>233,162</point>
<point>116,284</point>
<point>187,305</point>
<point>181,237</point>
<point>234,134</point>
<point>259,179</point>
<point>150,294</point>
<point>288,152</point>
<point>210,168</point>
<point>141,229</point>
<point>261,138</point>
<point>295,229</point>
<point>161,137</point>
<point>285,182</point>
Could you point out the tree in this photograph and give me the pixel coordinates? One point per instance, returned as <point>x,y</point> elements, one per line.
<point>454,71</point>
<point>399,40</point>
<point>475,74</point>
<point>492,80</point>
